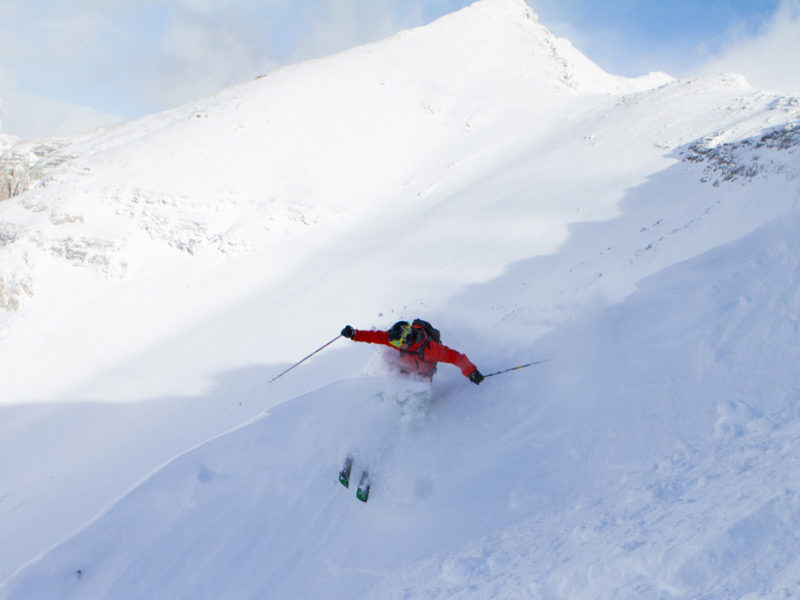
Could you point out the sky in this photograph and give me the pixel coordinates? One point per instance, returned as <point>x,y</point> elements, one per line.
<point>72,65</point>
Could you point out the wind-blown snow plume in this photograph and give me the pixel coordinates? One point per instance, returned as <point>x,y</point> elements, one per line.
<point>769,59</point>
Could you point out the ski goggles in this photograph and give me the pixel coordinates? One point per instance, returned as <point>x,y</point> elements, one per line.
<point>401,336</point>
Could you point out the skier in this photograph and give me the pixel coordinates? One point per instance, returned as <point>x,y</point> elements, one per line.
<point>420,348</point>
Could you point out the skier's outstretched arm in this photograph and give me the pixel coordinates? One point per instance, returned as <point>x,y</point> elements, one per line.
<point>441,353</point>
<point>362,335</point>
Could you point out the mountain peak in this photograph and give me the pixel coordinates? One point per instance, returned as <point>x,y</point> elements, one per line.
<point>512,8</point>
<point>509,32</point>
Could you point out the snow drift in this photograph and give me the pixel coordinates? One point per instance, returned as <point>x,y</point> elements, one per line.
<point>477,172</point>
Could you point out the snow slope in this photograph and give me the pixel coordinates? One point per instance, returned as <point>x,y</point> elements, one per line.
<point>477,172</point>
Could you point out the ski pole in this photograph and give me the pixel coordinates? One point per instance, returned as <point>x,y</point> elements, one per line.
<point>530,364</point>
<point>299,362</point>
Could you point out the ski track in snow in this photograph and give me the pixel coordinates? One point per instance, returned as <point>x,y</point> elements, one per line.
<point>641,233</point>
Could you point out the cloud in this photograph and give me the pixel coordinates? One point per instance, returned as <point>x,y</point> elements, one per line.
<point>37,55</point>
<point>198,55</point>
<point>335,25</point>
<point>770,58</point>
<point>85,64</point>
<point>126,58</point>
<point>30,116</point>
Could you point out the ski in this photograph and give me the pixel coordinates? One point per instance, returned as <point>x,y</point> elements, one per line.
<point>344,474</point>
<point>364,486</point>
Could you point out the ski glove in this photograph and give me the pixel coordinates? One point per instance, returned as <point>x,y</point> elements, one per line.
<point>476,377</point>
<point>348,332</point>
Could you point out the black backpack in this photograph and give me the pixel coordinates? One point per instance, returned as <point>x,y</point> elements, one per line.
<point>432,332</point>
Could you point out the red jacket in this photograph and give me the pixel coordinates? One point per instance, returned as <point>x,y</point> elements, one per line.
<point>419,358</point>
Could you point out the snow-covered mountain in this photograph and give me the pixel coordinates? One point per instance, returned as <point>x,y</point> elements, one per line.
<point>480,173</point>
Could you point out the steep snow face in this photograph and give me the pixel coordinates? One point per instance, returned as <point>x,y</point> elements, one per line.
<point>655,455</point>
<point>477,172</point>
